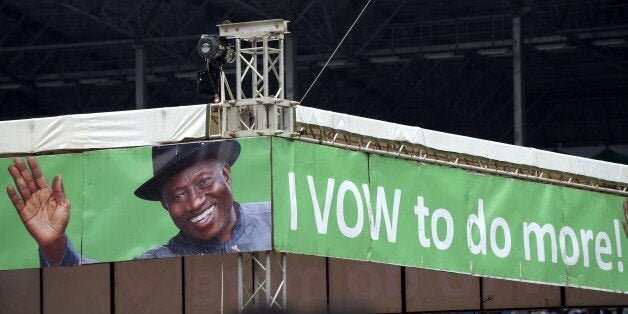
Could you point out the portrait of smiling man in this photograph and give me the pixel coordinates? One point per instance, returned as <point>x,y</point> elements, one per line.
<point>191,181</point>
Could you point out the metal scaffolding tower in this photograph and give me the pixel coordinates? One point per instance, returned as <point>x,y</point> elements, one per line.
<point>258,106</point>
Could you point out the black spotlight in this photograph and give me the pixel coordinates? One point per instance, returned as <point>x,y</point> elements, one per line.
<point>214,49</point>
<point>216,52</point>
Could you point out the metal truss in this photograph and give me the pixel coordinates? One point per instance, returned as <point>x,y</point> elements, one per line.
<point>269,281</point>
<point>259,58</point>
<point>405,150</point>
<point>571,37</point>
<point>388,48</point>
<point>214,120</point>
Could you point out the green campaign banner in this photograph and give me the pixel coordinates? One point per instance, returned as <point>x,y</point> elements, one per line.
<point>136,203</point>
<point>340,203</point>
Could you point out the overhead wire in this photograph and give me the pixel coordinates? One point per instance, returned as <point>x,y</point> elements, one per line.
<point>335,50</point>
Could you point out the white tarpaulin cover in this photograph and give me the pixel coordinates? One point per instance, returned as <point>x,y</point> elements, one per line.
<point>464,145</point>
<point>103,130</point>
<point>167,125</point>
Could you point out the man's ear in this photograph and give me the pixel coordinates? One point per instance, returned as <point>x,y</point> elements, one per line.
<point>226,172</point>
<point>163,204</point>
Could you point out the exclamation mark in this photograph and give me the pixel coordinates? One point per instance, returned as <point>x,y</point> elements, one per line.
<point>620,264</point>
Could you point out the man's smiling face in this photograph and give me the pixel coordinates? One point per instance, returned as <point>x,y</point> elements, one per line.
<point>200,202</point>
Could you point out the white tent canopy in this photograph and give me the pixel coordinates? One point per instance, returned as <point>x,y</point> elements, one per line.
<point>174,124</point>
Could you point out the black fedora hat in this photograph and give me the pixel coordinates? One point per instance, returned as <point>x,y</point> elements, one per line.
<point>169,160</point>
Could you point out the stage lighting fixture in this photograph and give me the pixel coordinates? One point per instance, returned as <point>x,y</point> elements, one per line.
<point>216,52</point>
<point>215,49</point>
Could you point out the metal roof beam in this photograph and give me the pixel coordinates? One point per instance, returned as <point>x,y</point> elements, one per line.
<point>304,11</point>
<point>549,115</point>
<point>328,21</point>
<point>153,18</point>
<point>97,19</point>
<point>473,86</point>
<point>562,70</point>
<point>102,6</point>
<point>31,89</point>
<point>122,30</point>
<point>361,86</point>
<point>488,99</point>
<point>35,25</point>
<point>136,6</point>
<point>528,109</point>
<point>381,26</point>
<point>592,49</point>
<point>12,30</point>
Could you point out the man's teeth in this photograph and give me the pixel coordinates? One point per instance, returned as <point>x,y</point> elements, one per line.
<point>203,215</point>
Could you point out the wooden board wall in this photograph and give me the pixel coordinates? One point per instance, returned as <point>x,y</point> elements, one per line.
<point>315,284</point>
<point>20,291</point>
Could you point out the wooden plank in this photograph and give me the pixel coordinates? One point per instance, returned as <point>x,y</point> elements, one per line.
<point>19,291</point>
<point>149,286</point>
<point>585,297</point>
<point>506,294</point>
<point>429,290</point>
<point>363,286</point>
<point>83,289</point>
<point>307,283</point>
<point>203,283</point>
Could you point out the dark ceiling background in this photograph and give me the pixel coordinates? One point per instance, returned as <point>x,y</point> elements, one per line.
<point>442,65</point>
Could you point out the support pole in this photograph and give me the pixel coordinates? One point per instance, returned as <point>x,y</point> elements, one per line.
<point>257,281</point>
<point>289,75</point>
<point>284,278</point>
<point>517,88</point>
<point>269,292</point>
<point>265,69</point>
<point>238,70</point>
<point>240,283</point>
<point>254,77</point>
<point>140,76</point>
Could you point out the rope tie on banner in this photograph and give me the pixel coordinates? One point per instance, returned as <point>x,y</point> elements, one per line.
<point>335,50</point>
